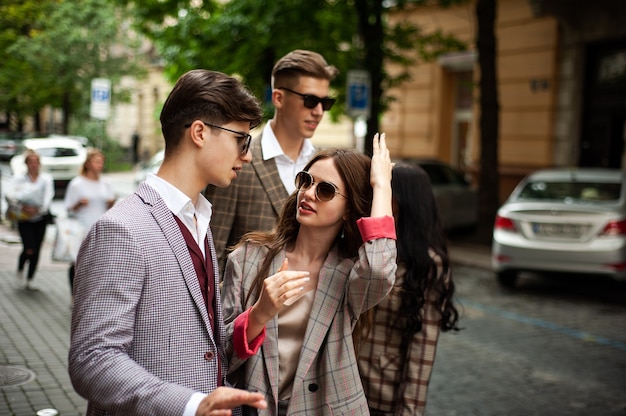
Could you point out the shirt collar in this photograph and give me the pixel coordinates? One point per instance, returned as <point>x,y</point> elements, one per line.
<point>271,148</point>
<point>180,204</point>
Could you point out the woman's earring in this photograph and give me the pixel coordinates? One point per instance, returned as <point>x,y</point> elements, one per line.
<point>343,231</point>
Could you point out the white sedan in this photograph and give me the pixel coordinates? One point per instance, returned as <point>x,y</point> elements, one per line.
<point>563,220</point>
<point>61,157</point>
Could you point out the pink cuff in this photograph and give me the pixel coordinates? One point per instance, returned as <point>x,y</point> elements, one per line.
<point>372,228</point>
<point>240,340</point>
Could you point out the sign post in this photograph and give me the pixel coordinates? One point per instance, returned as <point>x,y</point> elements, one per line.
<point>100,98</point>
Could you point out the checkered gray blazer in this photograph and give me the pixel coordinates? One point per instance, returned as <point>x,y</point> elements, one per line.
<point>141,342</point>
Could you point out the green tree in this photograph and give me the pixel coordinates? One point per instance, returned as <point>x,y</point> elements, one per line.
<point>18,19</point>
<point>54,50</point>
<point>246,37</point>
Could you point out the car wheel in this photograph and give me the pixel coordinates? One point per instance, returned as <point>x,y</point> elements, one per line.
<point>507,278</point>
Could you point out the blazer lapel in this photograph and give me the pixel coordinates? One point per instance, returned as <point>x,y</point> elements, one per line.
<point>267,173</point>
<point>176,241</point>
<point>329,295</point>
<point>270,345</point>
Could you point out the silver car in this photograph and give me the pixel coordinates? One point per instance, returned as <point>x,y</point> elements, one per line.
<point>563,220</point>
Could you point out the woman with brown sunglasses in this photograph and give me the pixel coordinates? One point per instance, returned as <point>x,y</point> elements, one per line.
<point>331,256</point>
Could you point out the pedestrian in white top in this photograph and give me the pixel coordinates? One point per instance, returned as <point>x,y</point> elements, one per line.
<point>88,195</point>
<point>32,192</point>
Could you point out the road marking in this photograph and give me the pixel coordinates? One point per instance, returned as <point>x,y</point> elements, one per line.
<point>574,333</point>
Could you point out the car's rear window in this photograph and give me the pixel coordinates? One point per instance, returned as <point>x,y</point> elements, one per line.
<point>443,175</point>
<point>57,151</point>
<point>581,191</point>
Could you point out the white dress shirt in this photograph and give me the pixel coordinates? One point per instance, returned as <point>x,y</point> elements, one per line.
<point>287,168</point>
<point>180,204</point>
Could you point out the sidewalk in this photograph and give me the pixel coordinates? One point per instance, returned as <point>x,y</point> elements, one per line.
<point>34,335</point>
<point>35,326</point>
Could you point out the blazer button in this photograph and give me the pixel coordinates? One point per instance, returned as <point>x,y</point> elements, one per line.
<point>208,355</point>
<point>313,387</point>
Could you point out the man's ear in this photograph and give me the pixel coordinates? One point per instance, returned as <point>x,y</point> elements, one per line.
<point>278,98</point>
<point>196,133</point>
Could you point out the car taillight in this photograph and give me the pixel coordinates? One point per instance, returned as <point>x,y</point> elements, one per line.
<point>503,223</point>
<point>614,228</point>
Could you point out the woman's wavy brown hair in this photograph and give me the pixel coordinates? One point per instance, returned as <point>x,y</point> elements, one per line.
<point>354,169</point>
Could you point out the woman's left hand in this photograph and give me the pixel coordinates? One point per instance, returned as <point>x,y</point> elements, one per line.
<point>380,174</point>
<point>380,177</point>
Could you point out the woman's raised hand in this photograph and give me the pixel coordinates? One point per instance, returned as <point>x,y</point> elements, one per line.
<point>380,177</point>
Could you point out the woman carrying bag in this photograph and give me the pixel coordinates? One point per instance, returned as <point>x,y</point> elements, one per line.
<point>29,203</point>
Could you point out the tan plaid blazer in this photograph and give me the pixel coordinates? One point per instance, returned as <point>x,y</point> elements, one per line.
<point>327,380</point>
<point>252,202</point>
<point>380,362</point>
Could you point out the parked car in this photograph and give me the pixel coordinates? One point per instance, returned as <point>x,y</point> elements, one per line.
<point>10,145</point>
<point>563,220</point>
<point>152,166</point>
<point>61,157</point>
<point>81,139</point>
<point>456,198</point>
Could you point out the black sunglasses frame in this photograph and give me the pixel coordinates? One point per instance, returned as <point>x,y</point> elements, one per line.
<point>304,180</point>
<point>247,138</point>
<point>311,101</point>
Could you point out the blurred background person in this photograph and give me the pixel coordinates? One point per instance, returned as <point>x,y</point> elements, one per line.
<point>135,139</point>
<point>88,195</point>
<point>300,86</point>
<point>397,339</point>
<point>32,194</point>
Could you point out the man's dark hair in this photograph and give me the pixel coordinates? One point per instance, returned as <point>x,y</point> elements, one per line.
<point>210,96</point>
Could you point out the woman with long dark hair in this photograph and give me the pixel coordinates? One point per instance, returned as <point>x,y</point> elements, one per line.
<point>331,256</point>
<point>397,340</point>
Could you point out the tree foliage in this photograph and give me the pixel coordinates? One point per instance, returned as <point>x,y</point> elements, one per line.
<point>51,50</point>
<point>246,37</point>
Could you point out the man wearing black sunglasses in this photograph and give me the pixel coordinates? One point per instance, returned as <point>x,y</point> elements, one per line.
<point>300,95</point>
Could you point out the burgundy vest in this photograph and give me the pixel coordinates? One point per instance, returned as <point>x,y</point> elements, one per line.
<point>204,270</point>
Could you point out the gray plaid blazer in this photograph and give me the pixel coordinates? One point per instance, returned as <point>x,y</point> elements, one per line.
<point>252,202</point>
<point>141,342</point>
<point>327,380</point>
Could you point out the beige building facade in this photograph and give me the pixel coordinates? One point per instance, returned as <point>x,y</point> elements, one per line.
<point>561,74</point>
<point>141,114</point>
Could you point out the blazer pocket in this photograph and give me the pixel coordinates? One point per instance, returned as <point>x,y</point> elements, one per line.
<point>349,405</point>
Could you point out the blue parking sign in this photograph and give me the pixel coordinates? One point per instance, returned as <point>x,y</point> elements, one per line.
<point>358,101</point>
<point>100,95</point>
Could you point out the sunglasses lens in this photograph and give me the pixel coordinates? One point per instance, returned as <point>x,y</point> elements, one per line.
<point>311,101</point>
<point>244,144</point>
<point>303,180</point>
<point>325,191</point>
<point>327,103</point>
